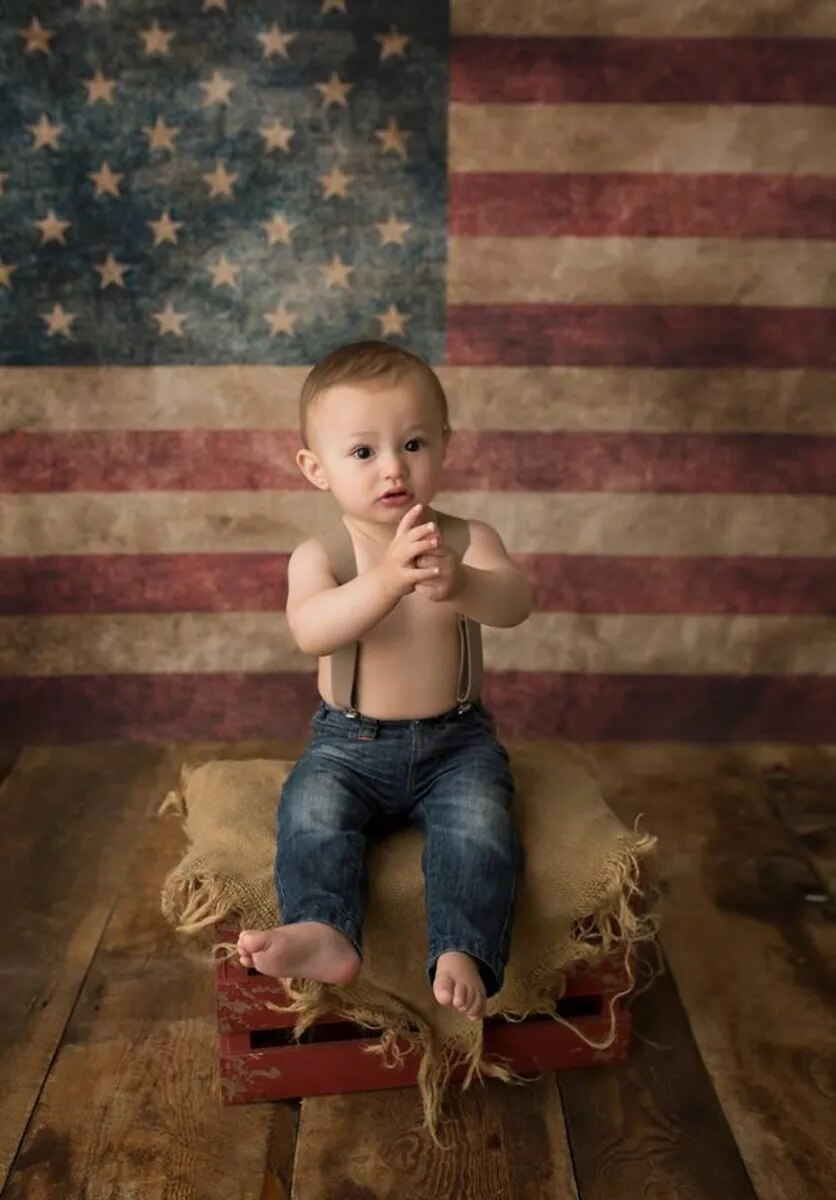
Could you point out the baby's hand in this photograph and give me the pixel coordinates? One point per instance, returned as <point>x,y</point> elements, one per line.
<point>449,581</point>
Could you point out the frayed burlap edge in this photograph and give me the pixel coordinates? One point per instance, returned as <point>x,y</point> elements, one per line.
<point>624,915</point>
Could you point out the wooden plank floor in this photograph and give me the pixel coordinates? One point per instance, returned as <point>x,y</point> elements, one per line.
<point>107,1044</point>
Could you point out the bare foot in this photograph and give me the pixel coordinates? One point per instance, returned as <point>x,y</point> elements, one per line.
<point>458,983</point>
<point>307,950</point>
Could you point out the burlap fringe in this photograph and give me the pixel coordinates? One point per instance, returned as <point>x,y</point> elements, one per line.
<point>192,903</point>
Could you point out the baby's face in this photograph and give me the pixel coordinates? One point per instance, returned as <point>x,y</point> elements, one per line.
<point>373,437</point>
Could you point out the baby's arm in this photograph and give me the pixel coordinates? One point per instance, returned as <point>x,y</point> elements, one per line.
<point>494,591</point>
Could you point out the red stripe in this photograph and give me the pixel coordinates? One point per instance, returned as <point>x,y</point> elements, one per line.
<point>738,206</point>
<point>625,70</point>
<point>279,706</point>
<point>640,335</point>
<point>499,460</point>
<point>158,583</point>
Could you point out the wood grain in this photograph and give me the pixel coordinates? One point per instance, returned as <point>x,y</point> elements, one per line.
<point>130,1107</point>
<point>753,964</point>
<point>501,1143</point>
<point>68,824</point>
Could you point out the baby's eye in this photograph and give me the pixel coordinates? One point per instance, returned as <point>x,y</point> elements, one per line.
<point>356,452</point>
<point>415,442</point>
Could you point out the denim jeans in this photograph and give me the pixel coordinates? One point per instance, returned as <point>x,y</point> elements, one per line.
<point>360,777</point>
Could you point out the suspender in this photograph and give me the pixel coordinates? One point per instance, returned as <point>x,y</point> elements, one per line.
<point>340,549</point>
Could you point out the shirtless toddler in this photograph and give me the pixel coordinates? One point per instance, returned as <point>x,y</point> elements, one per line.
<point>375,432</point>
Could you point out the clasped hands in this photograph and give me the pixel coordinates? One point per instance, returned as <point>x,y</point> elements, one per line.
<point>450,579</point>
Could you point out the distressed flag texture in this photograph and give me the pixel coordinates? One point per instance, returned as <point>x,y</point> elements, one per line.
<point>612,230</point>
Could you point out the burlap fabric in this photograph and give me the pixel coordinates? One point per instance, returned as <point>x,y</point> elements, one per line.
<point>577,902</point>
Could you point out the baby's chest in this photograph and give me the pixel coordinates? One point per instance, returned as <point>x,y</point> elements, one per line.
<point>415,624</point>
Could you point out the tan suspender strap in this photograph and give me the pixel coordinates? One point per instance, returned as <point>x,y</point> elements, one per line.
<point>340,549</point>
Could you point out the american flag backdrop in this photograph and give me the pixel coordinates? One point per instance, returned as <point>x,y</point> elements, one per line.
<point>610,226</point>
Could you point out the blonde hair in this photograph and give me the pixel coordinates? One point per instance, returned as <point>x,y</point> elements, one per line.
<point>359,361</point>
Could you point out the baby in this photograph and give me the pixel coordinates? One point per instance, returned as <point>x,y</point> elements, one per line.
<point>375,432</point>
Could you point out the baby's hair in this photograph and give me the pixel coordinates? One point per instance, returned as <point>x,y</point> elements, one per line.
<point>358,361</point>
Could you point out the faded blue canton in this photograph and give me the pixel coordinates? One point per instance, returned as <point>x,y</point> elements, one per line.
<point>123,241</point>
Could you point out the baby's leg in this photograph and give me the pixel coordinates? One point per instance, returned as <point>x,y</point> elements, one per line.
<point>319,877</point>
<point>472,860</point>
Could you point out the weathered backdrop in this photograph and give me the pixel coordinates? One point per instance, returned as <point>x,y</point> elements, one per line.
<point>611,225</point>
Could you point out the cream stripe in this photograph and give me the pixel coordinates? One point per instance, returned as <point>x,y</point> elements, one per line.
<point>260,642</point>
<point>654,18</point>
<point>793,139</point>
<point>558,398</point>
<point>532,523</point>
<point>616,270</point>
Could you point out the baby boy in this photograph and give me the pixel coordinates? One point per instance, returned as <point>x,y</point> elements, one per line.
<point>375,432</point>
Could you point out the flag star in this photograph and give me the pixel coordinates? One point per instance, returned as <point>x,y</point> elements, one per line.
<point>170,321</point>
<point>111,271</point>
<point>58,321</point>
<point>336,272</point>
<point>335,91</point>
<point>37,38</point>
<point>220,180</point>
<point>156,39</point>
<point>46,134</point>
<point>105,181</point>
<point>223,272</point>
<point>161,136</point>
<point>165,230</point>
<point>277,136</point>
<point>99,88</point>
<point>209,4</point>
<point>6,273</point>
<point>275,42</point>
<point>392,321</point>
<point>278,229</point>
<point>335,183</point>
<point>392,44</point>
<point>52,229</point>
<point>392,138</point>
<point>333,6</point>
<point>281,321</point>
<point>217,90</point>
<point>392,231</point>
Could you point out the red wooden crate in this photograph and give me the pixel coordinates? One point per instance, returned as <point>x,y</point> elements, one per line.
<point>260,1060</point>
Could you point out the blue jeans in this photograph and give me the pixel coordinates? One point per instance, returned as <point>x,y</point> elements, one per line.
<point>360,776</point>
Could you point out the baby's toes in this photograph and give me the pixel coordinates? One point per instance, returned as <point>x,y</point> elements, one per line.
<point>477,1008</point>
<point>461,998</point>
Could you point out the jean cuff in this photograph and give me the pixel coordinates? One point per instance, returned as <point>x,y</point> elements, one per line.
<point>327,915</point>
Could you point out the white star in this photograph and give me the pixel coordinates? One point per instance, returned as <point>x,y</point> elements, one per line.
<point>169,320</point>
<point>333,6</point>
<point>392,321</point>
<point>217,90</point>
<point>46,134</point>
<point>165,230</point>
<point>37,38</point>
<point>392,138</point>
<point>275,42</point>
<point>105,180</point>
<point>277,136</point>
<point>110,271</point>
<point>209,4</point>
<point>220,180</point>
<point>278,229</point>
<point>335,183</point>
<point>335,91</point>
<point>161,136</point>
<point>223,272</point>
<point>6,273</point>
<point>156,39</point>
<point>99,88</point>
<point>392,231</point>
<point>281,321</point>
<point>392,44</point>
<point>336,272</point>
<point>58,321</point>
<point>52,229</point>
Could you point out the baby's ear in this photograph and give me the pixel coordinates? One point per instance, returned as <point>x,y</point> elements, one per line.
<point>312,469</point>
